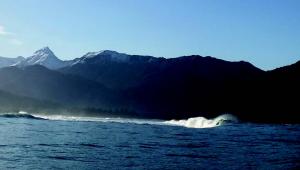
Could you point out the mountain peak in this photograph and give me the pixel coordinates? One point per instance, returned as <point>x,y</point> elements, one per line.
<point>44,50</point>
<point>102,52</point>
<point>109,52</point>
<point>44,57</point>
<point>106,55</point>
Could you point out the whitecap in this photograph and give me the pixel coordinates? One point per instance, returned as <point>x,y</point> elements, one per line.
<point>202,122</point>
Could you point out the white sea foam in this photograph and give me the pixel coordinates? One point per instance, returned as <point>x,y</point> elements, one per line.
<point>196,122</point>
<point>98,119</point>
<point>202,122</point>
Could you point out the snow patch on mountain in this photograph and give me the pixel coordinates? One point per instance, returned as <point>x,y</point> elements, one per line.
<point>104,55</point>
<point>44,57</point>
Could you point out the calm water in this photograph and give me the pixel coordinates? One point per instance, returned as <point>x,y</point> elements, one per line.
<point>27,143</point>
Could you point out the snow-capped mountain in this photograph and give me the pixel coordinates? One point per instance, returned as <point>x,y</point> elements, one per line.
<point>44,57</point>
<point>113,55</point>
<point>100,56</point>
<point>109,56</point>
<point>5,62</point>
<point>47,58</point>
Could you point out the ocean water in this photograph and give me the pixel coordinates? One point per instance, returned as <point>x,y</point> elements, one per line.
<point>62,142</point>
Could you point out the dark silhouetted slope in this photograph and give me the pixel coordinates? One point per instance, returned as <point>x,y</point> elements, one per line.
<point>145,86</point>
<point>41,83</point>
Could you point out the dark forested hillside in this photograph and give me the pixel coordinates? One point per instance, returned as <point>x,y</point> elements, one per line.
<point>146,86</point>
<point>41,83</point>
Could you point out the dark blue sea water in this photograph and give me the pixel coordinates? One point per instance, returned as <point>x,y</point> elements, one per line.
<point>27,143</point>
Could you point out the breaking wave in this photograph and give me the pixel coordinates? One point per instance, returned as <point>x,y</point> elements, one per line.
<point>202,122</point>
<point>196,122</point>
<point>98,119</point>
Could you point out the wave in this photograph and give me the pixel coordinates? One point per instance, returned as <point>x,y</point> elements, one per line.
<point>98,119</point>
<point>25,115</point>
<point>196,122</point>
<point>202,122</point>
<point>19,115</point>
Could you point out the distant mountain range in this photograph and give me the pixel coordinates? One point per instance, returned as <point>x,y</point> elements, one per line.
<point>4,62</point>
<point>144,86</point>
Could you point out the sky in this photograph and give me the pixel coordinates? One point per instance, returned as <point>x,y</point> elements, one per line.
<point>263,32</point>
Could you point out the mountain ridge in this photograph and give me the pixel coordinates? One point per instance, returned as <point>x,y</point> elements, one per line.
<point>40,55</point>
<point>150,87</point>
<point>110,53</point>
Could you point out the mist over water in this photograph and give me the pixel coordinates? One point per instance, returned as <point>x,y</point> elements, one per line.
<point>54,142</point>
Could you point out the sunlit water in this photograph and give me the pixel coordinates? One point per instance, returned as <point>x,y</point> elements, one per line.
<point>103,143</point>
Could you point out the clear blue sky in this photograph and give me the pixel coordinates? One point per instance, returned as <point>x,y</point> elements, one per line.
<point>264,32</point>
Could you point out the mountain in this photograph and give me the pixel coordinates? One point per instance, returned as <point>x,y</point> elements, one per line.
<point>122,71</point>
<point>177,87</point>
<point>112,69</point>
<point>102,56</point>
<point>190,86</point>
<point>187,86</point>
<point>40,83</point>
<point>44,57</point>
<point>281,90</point>
<point>5,62</point>
<point>150,87</point>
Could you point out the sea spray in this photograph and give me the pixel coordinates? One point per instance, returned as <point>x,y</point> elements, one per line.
<point>202,122</point>
<point>195,122</point>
